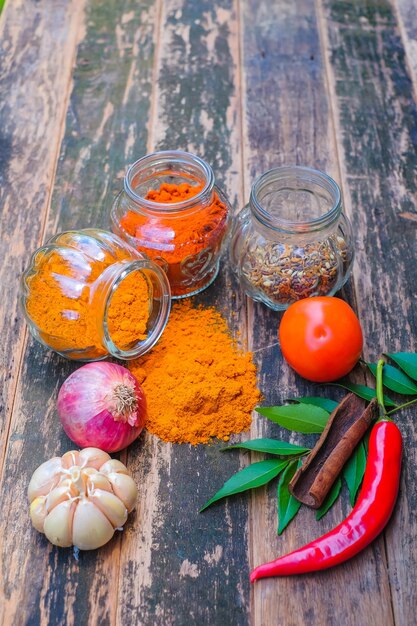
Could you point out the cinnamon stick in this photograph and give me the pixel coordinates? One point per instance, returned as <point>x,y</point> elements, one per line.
<point>345,428</point>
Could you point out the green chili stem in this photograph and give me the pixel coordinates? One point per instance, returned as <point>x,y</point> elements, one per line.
<point>380,389</point>
<point>402,406</point>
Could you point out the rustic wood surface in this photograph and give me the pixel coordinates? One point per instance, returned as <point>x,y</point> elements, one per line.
<point>89,86</point>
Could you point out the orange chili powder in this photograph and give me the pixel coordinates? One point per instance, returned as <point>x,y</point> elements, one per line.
<point>169,240</point>
<point>128,312</point>
<point>198,384</point>
<point>59,303</point>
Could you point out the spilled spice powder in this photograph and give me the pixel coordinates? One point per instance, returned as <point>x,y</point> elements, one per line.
<point>129,311</point>
<point>197,383</point>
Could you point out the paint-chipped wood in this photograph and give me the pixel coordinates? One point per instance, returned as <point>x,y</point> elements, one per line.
<point>288,119</point>
<point>106,125</point>
<point>192,568</point>
<point>376,130</point>
<point>315,81</point>
<point>30,132</point>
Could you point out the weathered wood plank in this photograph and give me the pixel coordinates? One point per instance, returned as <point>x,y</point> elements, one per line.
<point>376,130</point>
<point>191,568</point>
<point>34,83</point>
<point>106,126</point>
<point>407,23</point>
<point>288,120</point>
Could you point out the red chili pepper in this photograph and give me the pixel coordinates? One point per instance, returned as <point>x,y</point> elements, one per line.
<point>367,519</point>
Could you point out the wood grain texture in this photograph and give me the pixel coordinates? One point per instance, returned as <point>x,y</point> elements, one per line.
<point>192,568</point>
<point>376,129</point>
<point>106,123</point>
<point>288,120</point>
<point>406,12</point>
<point>30,133</point>
<point>320,80</point>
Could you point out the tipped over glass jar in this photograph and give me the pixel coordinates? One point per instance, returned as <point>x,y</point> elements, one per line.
<point>171,209</point>
<point>292,240</point>
<point>87,294</point>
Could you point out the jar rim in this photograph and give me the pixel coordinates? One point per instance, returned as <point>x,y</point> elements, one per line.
<point>309,174</point>
<point>165,158</point>
<point>143,345</point>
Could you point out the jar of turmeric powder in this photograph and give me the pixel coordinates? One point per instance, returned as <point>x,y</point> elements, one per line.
<point>88,294</point>
<point>171,209</point>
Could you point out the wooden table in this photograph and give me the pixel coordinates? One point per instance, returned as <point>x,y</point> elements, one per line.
<point>87,87</point>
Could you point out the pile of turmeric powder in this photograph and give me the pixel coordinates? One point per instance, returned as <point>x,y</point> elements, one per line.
<point>62,304</point>
<point>197,383</point>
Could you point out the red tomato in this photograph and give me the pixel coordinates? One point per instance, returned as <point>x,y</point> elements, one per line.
<point>321,338</point>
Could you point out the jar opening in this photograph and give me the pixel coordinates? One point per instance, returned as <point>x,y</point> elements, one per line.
<point>295,199</point>
<point>134,319</point>
<point>172,167</point>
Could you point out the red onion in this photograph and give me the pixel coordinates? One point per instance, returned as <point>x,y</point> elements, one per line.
<point>102,405</point>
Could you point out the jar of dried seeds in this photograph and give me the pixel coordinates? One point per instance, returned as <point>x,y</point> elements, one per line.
<point>292,240</point>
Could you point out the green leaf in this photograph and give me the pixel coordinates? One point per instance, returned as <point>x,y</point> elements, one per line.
<point>366,440</point>
<point>354,470</point>
<point>407,361</point>
<point>324,403</point>
<point>394,379</point>
<point>330,499</point>
<point>270,446</point>
<point>303,418</point>
<point>288,506</point>
<point>254,475</point>
<point>367,393</point>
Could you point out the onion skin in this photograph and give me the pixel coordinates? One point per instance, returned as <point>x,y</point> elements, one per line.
<point>87,406</point>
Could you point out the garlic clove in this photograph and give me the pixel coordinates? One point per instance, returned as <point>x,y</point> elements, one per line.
<point>96,480</point>
<point>114,466</point>
<point>58,524</point>
<point>70,459</point>
<point>112,507</point>
<point>38,513</point>
<point>45,478</point>
<point>93,457</point>
<point>64,491</point>
<point>91,528</point>
<point>124,487</point>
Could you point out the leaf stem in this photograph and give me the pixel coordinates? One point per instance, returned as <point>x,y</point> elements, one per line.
<point>402,406</point>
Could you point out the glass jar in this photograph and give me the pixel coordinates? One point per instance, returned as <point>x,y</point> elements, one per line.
<point>292,240</point>
<point>87,294</point>
<point>171,209</point>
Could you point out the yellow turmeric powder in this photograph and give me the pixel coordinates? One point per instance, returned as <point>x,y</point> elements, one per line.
<point>62,304</point>
<point>197,383</point>
<point>129,311</point>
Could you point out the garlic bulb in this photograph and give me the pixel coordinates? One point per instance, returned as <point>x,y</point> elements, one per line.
<point>81,498</point>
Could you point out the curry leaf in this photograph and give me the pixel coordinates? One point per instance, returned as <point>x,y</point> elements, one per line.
<point>330,499</point>
<point>288,506</point>
<point>395,379</point>
<point>324,403</point>
<point>303,418</point>
<point>354,470</point>
<point>254,475</point>
<point>270,446</point>
<point>407,361</point>
<point>367,393</point>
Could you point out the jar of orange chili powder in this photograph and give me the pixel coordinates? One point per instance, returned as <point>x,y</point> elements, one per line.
<point>87,294</point>
<point>171,209</point>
